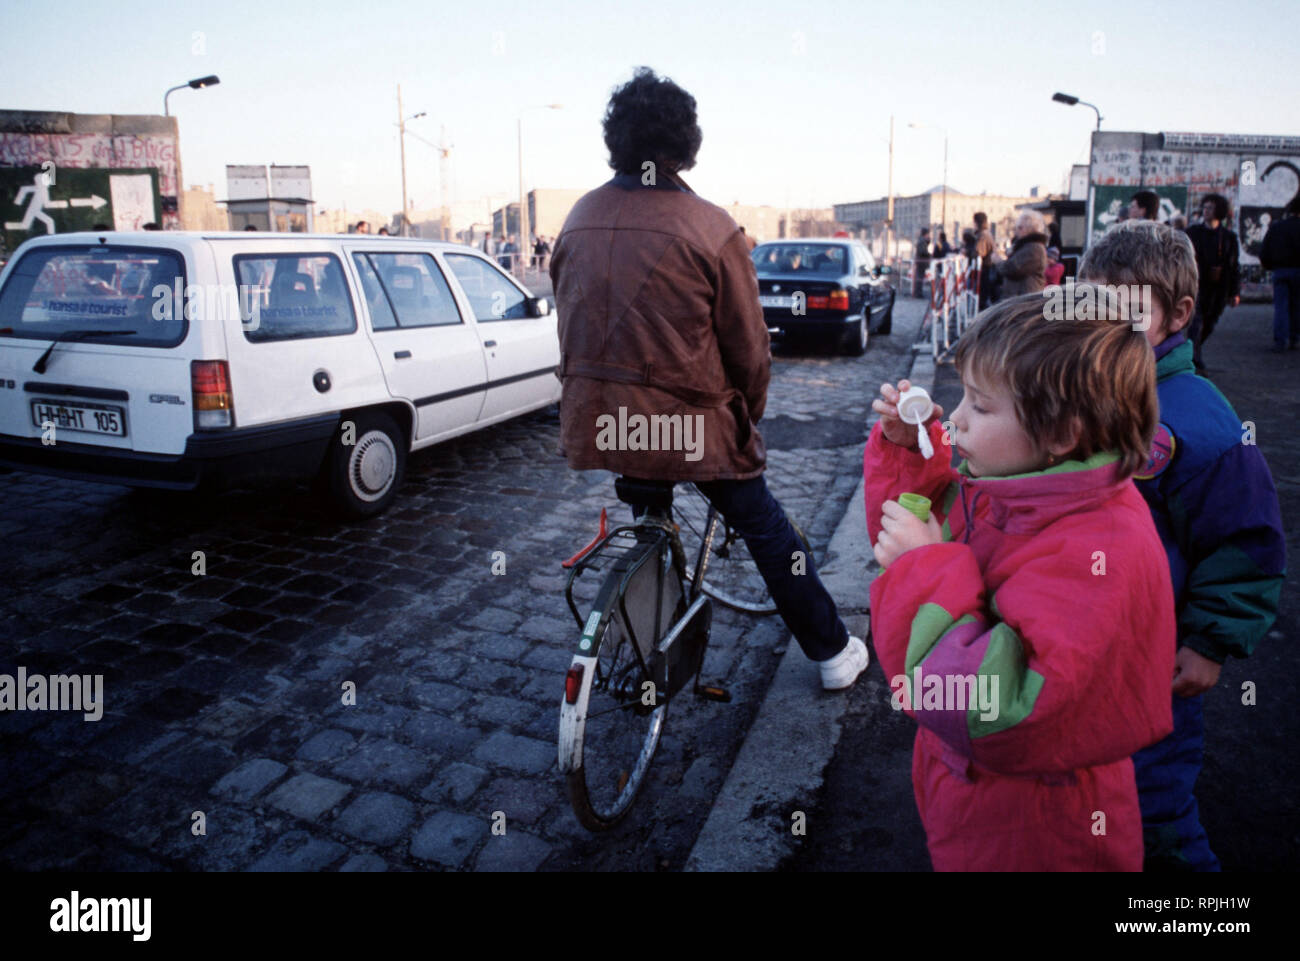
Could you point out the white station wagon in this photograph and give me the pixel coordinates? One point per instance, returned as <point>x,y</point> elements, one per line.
<point>180,359</point>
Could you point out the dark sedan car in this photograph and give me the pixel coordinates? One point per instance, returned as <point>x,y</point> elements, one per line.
<point>825,288</point>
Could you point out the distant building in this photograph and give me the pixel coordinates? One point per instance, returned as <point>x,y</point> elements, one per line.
<point>463,218</point>
<point>761,223</point>
<point>341,221</point>
<point>911,213</point>
<point>505,220</point>
<point>548,209</point>
<point>810,222</point>
<point>200,210</point>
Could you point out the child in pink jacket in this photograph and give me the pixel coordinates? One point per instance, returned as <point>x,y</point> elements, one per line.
<point>1028,625</point>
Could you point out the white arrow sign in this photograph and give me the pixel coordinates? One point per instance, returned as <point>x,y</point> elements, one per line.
<point>94,201</point>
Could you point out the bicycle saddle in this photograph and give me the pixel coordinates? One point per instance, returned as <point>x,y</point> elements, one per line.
<point>648,493</point>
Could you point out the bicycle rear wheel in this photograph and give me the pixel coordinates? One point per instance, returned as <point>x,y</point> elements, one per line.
<point>608,738</point>
<point>731,576</point>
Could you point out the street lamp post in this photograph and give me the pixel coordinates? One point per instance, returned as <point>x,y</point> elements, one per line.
<point>1070,101</point>
<point>523,199</point>
<point>197,84</point>
<point>401,137</point>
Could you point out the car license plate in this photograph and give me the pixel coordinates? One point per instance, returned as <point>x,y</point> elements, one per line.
<point>89,418</point>
<point>768,300</point>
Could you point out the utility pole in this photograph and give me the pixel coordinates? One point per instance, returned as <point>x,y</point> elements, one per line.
<point>944,214</point>
<point>444,149</point>
<point>889,209</point>
<point>401,138</point>
<point>523,201</point>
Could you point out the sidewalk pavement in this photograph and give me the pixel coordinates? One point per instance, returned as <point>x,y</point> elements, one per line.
<point>792,759</point>
<point>779,768</point>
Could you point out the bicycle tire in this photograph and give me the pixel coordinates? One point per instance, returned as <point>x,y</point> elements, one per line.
<point>732,576</point>
<point>611,735</point>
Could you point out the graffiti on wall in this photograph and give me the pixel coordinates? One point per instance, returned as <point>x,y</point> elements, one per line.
<point>1110,205</point>
<point>1156,168</point>
<point>75,153</point>
<point>1255,222</point>
<point>48,200</point>
<point>1256,185</point>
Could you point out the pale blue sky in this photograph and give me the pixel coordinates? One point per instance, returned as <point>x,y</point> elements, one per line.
<point>794,96</point>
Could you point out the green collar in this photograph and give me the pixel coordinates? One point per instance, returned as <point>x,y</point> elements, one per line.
<point>1177,361</point>
<point>1099,459</point>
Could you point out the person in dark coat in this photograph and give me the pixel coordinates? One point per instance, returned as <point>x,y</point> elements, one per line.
<point>1025,269</point>
<point>920,261</point>
<point>986,249</point>
<point>941,246</point>
<point>1281,254</point>
<point>968,243</point>
<point>1054,235</point>
<point>1218,264</point>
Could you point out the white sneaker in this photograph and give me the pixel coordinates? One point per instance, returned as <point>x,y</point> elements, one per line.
<point>843,669</point>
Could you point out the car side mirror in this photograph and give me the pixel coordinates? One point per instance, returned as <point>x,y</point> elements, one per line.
<point>537,307</point>
<point>883,270</point>
<point>862,270</point>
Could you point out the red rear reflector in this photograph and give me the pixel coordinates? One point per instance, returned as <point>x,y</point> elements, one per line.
<point>573,684</point>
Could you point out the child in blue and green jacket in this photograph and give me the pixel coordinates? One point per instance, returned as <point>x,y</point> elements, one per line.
<point>1216,510</point>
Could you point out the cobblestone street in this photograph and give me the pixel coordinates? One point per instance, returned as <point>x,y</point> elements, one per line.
<point>223,692</point>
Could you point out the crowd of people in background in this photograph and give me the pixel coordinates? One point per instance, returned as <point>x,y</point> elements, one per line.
<point>1031,261</point>
<point>506,249</point>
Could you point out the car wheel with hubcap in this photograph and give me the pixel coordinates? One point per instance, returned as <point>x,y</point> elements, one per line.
<point>857,337</point>
<point>364,476</point>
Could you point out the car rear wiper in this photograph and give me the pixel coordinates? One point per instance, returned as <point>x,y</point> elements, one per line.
<point>71,335</point>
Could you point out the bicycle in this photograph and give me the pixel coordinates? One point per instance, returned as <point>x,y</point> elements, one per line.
<point>644,638</point>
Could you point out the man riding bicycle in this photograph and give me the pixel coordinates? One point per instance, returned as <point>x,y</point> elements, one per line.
<point>661,333</point>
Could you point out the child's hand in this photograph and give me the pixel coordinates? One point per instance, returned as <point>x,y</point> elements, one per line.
<point>901,530</point>
<point>886,405</point>
<point>1194,673</point>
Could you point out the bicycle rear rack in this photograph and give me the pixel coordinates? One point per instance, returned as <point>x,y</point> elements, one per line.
<point>678,655</point>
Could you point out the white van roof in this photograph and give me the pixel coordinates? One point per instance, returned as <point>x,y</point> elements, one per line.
<point>148,236</point>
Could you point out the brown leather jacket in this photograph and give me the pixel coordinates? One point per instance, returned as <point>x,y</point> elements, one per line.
<point>665,356</point>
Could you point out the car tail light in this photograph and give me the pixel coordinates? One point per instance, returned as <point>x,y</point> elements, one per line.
<point>839,300</point>
<point>573,684</point>
<point>213,402</point>
<point>817,303</point>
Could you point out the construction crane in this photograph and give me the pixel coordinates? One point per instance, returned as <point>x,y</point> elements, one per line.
<point>444,179</point>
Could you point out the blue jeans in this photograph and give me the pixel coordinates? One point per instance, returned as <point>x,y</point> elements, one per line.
<point>801,599</point>
<point>1166,775</point>
<point>1286,305</point>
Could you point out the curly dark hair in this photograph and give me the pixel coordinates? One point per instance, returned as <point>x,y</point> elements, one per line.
<point>1220,205</point>
<point>651,118</point>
